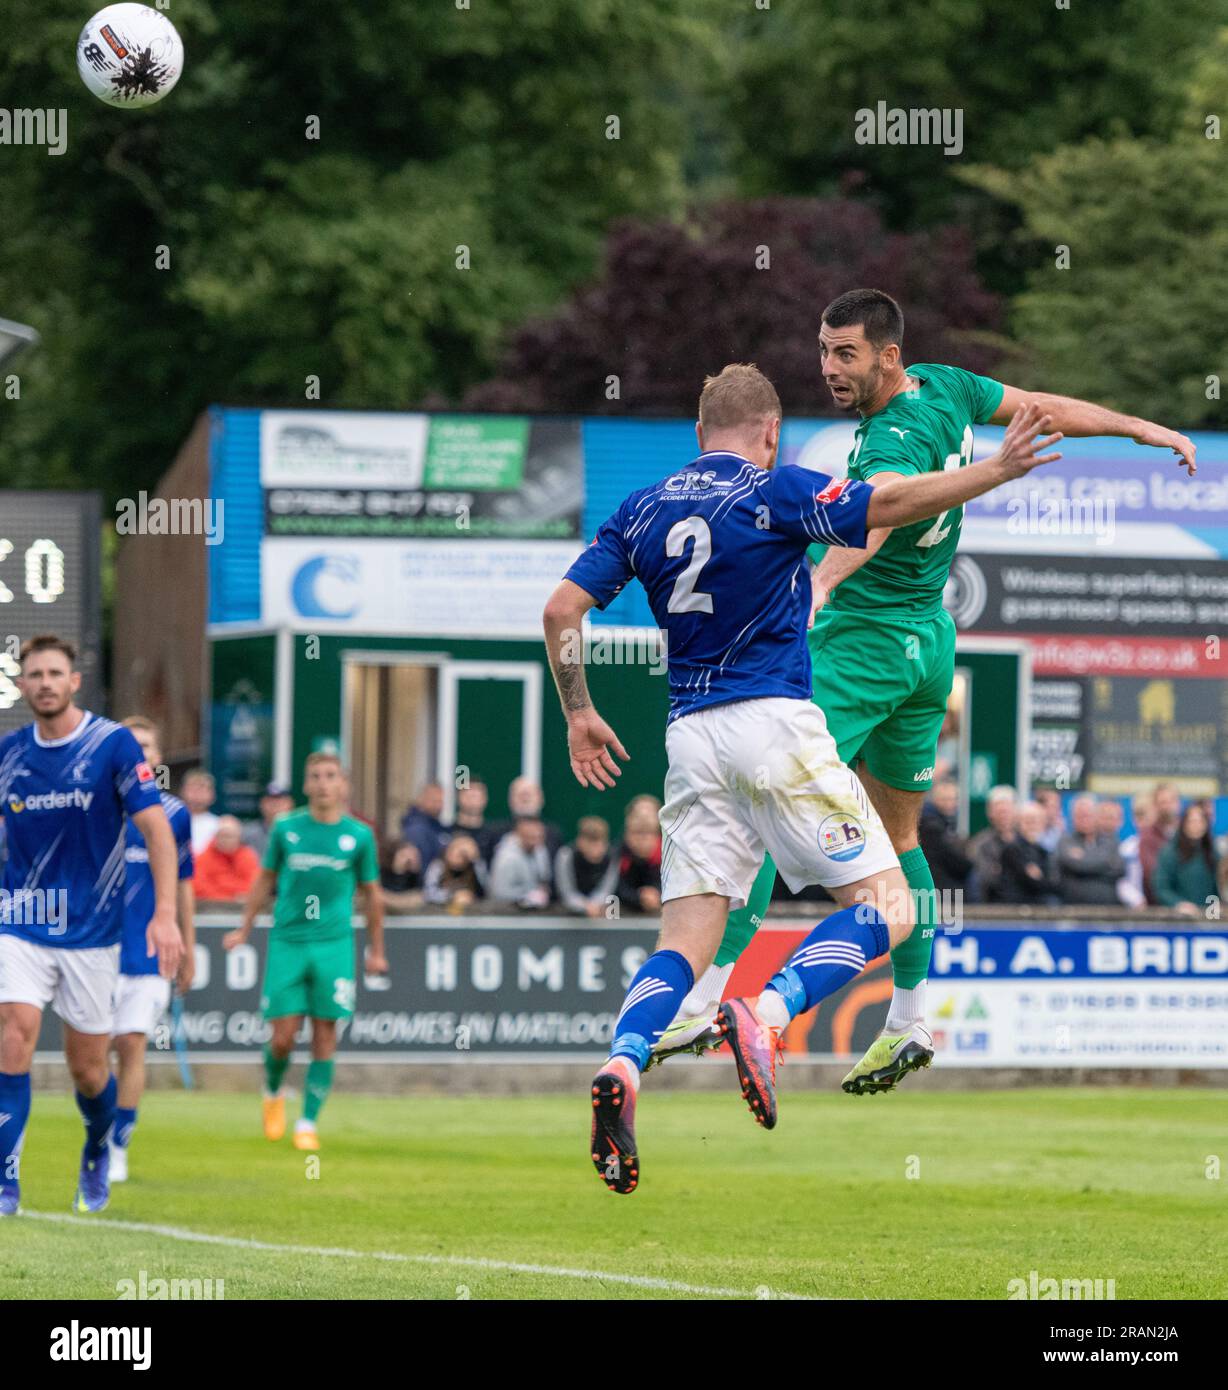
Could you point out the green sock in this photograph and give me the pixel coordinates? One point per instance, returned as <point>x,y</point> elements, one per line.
<point>274,1070</point>
<point>746,921</point>
<point>910,960</point>
<point>315,1092</point>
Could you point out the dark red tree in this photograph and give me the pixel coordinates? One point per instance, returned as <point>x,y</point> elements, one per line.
<point>740,282</point>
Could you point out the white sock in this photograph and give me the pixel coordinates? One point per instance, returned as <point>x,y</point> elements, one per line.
<point>302,1125</point>
<point>706,993</point>
<point>907,1008</point>
<point>772,1009</point>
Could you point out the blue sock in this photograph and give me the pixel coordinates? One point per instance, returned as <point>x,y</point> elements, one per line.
<point>655,996</point>
<point>98,1113</point>
<point>125,1123</point>
<point>14,1113</point>
<point>832,955</point>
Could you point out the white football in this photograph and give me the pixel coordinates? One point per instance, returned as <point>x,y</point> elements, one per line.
<point>129,55</point>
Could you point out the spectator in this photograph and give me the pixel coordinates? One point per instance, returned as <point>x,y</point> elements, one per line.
<point>639,859</point>
<point>1110,818</point>
<point>198,792</point>
<point>1089,863</point>
<point>226,868</point>
<point>586,872</point>
<point>520,873</point>
<point>946,851</point>
<point>400,877</point>
<point>1130,888</point>
<point>525,798</point>
<point>985,848</point>
<point>455,879</point>
<point>1055,827</point>
<point>1027,873</point>
<point>422,827</point>
<point>471,818</point>
<point>1165,809</point>
<point>276,801</point>
<point>1185,875</point>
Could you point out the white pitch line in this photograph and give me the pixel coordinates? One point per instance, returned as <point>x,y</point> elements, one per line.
<point>463,1261</point>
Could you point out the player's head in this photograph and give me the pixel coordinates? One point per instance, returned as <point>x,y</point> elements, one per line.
<point>739,410</point>
<point>49,677</point>
<point>145,731</point>
<point>325,782</point>
<point>860,342</point>
<point>198,790</point>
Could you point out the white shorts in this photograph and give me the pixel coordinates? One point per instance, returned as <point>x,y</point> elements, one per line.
<point>762,776</point>
<point>139,1003</point>
<point>79,985</point>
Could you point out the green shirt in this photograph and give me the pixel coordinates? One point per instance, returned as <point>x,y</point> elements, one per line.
<point>923,431</point>
<point>318,865</point>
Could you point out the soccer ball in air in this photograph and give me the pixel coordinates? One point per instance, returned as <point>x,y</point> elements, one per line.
<point>129,55</point>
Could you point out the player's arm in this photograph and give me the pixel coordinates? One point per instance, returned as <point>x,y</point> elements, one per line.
<point>589,737</point>
<point>901,501</point>
<point>1080,419</point>
<point>185,911</point>
<point>162,937</point>
<point>373,910</point>
<point>841,561</point>
<point>257,900</point>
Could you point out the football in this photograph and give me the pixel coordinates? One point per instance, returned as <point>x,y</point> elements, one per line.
<point>129,55</point>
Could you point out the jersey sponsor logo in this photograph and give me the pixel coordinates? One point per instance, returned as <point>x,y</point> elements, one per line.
<point>136,854</point>
<point>52,801</point>
<point>690,481</point>
<point>841,838</point>
<point>832,491</point>
<point>315,861</point>
<point>144,773</point>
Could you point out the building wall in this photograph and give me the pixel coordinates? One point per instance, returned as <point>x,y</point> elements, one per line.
<point>159,650</point>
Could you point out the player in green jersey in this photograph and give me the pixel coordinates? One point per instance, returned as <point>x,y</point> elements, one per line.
<point>882,646</point>
<point>317,858</point>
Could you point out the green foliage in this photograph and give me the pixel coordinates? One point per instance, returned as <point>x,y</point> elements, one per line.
<point>290,257</point>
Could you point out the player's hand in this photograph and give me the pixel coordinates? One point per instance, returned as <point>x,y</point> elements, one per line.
<point>238,937</point>
<point>589,740</point>
<point>187,971</point>
<point>1021,446</point>
<point>162,939</point>
<point>1160,438</point>
<point>376,962</point>
<point>819,594</point>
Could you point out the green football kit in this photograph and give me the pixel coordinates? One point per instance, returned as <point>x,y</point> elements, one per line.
<point>319,864</point>
<point>882,647</point>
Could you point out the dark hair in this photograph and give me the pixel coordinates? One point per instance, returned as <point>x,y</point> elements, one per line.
<point>881,318</point>
<point>1187,846</point>
<point>48,642</point>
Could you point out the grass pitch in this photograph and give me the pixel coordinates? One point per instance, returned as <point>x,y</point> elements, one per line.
<point>910,1195</point>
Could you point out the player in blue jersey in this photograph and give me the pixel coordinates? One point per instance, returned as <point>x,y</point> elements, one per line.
<point>66,783</point>
<point>720,548</point>
<point>143,993</point>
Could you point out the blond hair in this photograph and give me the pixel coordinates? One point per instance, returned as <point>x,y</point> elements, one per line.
<point>738,394</point>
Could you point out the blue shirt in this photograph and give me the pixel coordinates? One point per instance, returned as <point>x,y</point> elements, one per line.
<point>139,895</point>
<point>64,804</point>
<point>720,548</point>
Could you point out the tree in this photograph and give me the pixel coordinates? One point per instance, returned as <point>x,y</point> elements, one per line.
<point>739,282</point>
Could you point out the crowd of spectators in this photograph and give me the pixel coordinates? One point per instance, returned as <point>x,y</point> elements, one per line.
<point>1035,853</point>
<point>1032,854</point>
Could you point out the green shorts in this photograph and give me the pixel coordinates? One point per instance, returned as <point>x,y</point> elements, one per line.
<point>882,684</point>
<point>314,978</point>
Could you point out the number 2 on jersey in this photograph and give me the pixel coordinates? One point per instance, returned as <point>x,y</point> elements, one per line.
<point>938,533</point>
<point>685,598</point>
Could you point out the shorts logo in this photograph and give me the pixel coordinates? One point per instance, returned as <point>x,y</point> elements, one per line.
<point>841,838</point>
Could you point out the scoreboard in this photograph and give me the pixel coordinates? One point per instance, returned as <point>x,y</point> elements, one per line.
<point>50,581</point>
